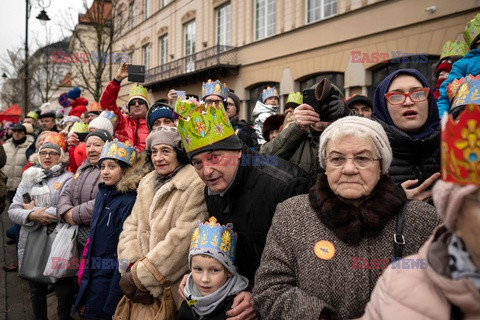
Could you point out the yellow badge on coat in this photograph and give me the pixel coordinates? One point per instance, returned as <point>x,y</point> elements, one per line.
<point>324,249</point>
<point>76,176</point>
<point>57,185</point>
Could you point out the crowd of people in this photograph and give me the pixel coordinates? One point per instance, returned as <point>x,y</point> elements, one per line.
<point>338,208</point>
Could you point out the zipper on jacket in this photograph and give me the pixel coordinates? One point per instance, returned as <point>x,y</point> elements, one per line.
<point>109,215</point>
<point>136,132</point>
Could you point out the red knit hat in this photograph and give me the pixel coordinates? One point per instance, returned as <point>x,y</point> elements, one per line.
<point>445,65</point>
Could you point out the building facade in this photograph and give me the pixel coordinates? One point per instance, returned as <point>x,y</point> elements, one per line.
<point>249,44</point>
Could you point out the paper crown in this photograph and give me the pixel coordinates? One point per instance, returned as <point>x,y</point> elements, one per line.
<point>453,48</point>
<point>269,92</point>
<point>121,151</point>
<point>295,97</point>
<point>472,30</point>
<point>214,88</point>
<point>199,125</point>
<point>216,240</point>
<point>464,91</point>
<point>33,115</point>
<point>110,116</point>
<point>94,107</point>
<point>138,91</point>
<point>56,138</point>
<point>79,127</point>
<point>461,147</point>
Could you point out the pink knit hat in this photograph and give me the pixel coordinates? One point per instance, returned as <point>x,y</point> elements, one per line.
<point>448,198</point>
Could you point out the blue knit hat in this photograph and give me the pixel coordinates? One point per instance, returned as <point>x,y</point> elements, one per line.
<point>74,93</point>
<point>157,111</point>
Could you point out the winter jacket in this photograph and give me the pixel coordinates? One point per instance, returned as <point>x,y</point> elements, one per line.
<point>99,289</point>
<point>412,158</point>
<point>80,194</point>
<point>18,215</point>
<point>425,292</point>
<point>469,64</point>
<point>160,228</point>
<point>250,202</point>
<point>260,113</point>
<point>245,132</point>
<point>187,313</point>
<point>298,280</point>
<point>297,146</point>
<point>16,160</point>
<point>128,128</point>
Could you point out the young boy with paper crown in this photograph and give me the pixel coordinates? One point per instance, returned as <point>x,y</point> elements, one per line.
<point>214,281</point>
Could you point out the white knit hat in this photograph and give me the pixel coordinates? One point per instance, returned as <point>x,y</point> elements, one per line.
<point>101,123</point>
<point>360,125</point>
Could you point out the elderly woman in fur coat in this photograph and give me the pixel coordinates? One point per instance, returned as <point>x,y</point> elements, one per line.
<point>170,201</point>
<point>326,250</point>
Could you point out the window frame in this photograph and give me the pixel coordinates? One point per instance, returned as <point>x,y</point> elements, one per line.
<point>223,37</point>
<point>267,15</point>
<point>322,4</point>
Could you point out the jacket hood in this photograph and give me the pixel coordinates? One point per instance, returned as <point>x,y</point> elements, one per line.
<point>264,108</point>
<point>80,101</point>
<point>380,109</point>
<point>132,176</point>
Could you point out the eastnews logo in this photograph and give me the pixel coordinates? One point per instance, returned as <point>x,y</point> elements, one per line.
<point>92,263</point>
<point>397,263</point>
<point>84,57</point>
<point>383,57</point>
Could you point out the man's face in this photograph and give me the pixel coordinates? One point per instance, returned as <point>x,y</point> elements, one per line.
<point>47,123</point>
<point>231,108</point>
<point>30,121</point>
<point>217,168</point>
<point>362,109</point>
<point>18,134</point>
<point>163,122</point>
<point>90,116</point>
<point>138,108</point>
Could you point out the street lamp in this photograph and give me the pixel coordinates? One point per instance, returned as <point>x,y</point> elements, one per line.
<point>43,17</point>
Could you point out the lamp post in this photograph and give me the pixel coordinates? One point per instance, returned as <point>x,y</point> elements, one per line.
<point>43,17</point>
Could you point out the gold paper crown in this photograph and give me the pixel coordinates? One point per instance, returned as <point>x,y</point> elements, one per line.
<point>199,125</point>
<point>453,48</point>
<point>121,151</point>
<point>461,147</point>
<point>216,88</point>
<point>269,92</point>
<point>472,30</point>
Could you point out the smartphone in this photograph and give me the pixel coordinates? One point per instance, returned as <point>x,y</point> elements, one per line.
<point>82,135</point>
<point>27,198</point>
<point>309,98</point>
<point>136,73</point>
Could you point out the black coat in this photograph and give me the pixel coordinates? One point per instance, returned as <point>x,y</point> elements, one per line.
<point>186,313</point>
<point>413,158</point>
<point>251,200</point>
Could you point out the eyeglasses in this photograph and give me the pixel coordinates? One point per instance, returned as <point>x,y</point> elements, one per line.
<point>138,101</point>
<point>396,97</point>
<point>362,162</point>
<point>52,154</point>
<point>209,102</point>
<point>209,158</point>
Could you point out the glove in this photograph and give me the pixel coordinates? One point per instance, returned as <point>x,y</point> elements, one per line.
<point>132,292</point>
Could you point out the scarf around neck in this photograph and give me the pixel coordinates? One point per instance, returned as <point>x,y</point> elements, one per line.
<point>205,305</point>
<point>460,263</point>
<point>36,180</point>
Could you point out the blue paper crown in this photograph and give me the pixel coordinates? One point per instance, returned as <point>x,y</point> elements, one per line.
<point>121,151</point>
<point>110,116</point>
<point>269,92</point>
<point>216,88</point>
<point>214,239</point>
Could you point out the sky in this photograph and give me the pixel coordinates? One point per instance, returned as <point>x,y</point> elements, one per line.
<point>12,23</point>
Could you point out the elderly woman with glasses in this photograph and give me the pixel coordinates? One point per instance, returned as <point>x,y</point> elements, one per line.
<point>325,250</point>
<point>406,108</point>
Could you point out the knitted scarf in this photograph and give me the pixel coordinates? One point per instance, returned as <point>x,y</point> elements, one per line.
<point>460,263</point>
<point>35,179</point>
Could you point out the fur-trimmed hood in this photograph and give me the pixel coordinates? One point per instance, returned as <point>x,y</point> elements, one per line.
<point>132,176</point>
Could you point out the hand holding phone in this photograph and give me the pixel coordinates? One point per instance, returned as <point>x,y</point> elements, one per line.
<point>136,73</point>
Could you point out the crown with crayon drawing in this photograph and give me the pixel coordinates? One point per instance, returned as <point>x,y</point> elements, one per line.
<point>121,151</point>
<point>214,88</point>
<point>270,92</point>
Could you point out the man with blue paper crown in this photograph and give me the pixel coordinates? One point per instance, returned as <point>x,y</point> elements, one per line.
<point>242,187</point>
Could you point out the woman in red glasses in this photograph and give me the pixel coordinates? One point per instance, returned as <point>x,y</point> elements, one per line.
<point>406,108</point>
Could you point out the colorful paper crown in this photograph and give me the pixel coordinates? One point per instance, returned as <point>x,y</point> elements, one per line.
<point>199,125</point>
<point>33,115</point>
<point>461,147</point>
<point>138,91</point>
<point>295,97</point>
<point>269,92</point>
<point>94,107</point>
<point>464,91</point>
<point>214,88</point>
<point>79,127</point>
<point>216,240</point>
<point>472,30</point>
<point>453,48</point>
<point>121,151</point>
<point>110,116</point>
<point>56,138</point>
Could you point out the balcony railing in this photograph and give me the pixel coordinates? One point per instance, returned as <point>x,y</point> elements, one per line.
<point>211,57</point>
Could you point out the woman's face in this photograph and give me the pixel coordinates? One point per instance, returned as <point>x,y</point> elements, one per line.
<point>94,149</point>
<point>164,159</point>
<point>48,158</point>
<point>111,172</point>
<point>468,224</point>
<point>409,116</point>
<point>349,181</point>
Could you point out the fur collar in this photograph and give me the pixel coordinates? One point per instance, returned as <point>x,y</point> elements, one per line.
<point>132,176</point>
<point>351,223</point>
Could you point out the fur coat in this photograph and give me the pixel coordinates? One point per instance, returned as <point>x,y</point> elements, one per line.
<point>160,227</point>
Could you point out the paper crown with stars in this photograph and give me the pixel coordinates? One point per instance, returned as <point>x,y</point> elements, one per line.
<point>215,240</point>
<point>121,151</point>
<point>269,92</point>
<point>453,48</point>
<point>214,88</point>
<point>472,31</point>
<point>464,91</point>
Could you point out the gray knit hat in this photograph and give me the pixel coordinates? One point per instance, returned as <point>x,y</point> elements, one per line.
<point>360,125</point>
<point>164,135</point>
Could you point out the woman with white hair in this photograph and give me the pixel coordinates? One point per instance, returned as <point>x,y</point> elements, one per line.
<point>325,250</point>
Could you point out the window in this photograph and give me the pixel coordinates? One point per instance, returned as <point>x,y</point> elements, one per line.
<point>120,24</point>
<point>223,26</point>
<point>264,18</point>
<point>189,36</point>
<point>130,57</point>
<point>146,9</point>
<point>163,49</point>
<point>320,9</point>
<point>164,3</point>
<point>130,16</point>
<point>336,78</point>
<point>146,56</point>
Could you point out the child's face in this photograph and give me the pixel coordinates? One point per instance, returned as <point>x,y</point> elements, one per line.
<point>111,172</point>
<point>208,274</point>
